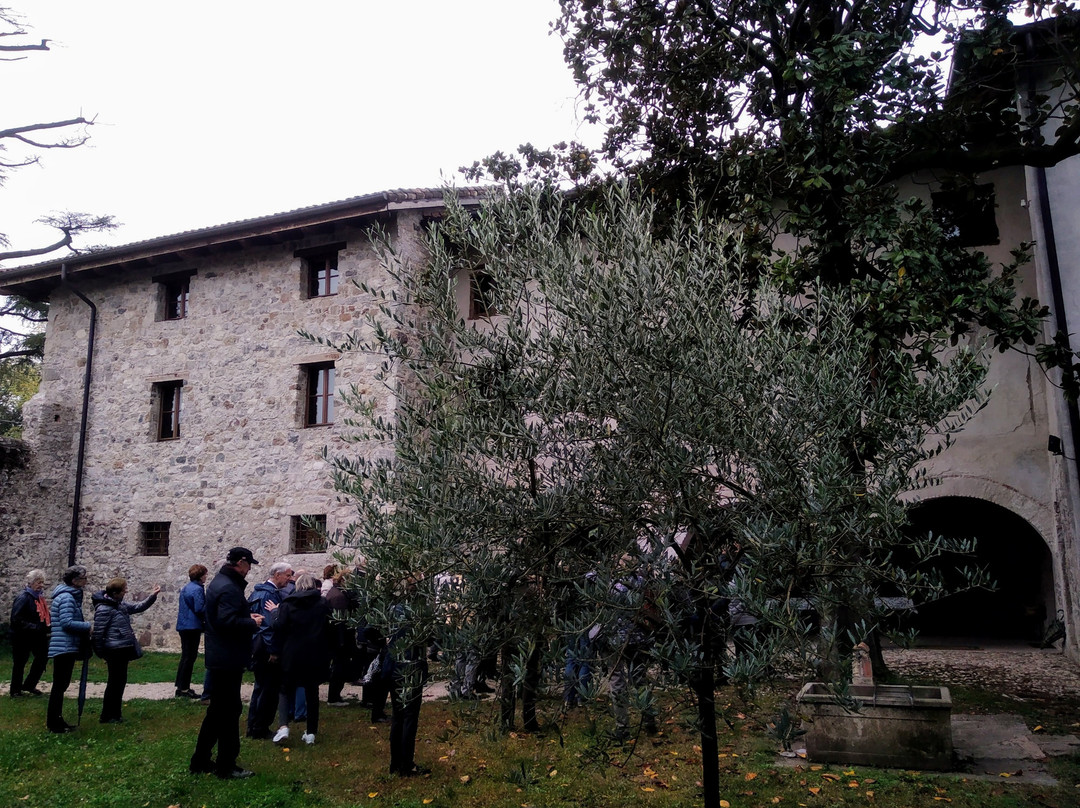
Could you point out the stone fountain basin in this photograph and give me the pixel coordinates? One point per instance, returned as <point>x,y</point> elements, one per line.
<point>893,726</point>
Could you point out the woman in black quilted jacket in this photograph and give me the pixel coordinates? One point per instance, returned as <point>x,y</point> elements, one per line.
<point>114,641</point>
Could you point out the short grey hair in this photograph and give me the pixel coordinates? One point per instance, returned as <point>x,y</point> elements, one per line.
<point>280,566</point>
<point>306,582</point>
<point>34,575</point>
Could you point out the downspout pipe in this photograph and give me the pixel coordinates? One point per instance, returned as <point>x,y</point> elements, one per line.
<point>1053,264</point>
<point>73,540</point>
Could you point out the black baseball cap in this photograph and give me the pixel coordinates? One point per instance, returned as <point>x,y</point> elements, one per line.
<point>238,554</point>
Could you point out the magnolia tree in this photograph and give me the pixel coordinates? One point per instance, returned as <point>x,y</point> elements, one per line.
<point>644,427</point>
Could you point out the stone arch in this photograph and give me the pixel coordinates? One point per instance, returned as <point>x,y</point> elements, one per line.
<point>1011,546</point>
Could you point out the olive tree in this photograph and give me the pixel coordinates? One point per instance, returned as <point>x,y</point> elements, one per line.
<point>645,424</point>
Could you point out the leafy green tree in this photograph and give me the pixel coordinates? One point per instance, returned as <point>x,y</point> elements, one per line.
<point>798,118</point>
<point>644,411</point>
<point>18,381</point>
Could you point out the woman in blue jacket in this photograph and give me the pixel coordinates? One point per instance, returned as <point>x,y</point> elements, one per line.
<point>190,623</point>
<point>70,640</point>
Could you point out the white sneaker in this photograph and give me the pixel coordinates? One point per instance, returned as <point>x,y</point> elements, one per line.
<point>281,735</point>
<point>308,738</point>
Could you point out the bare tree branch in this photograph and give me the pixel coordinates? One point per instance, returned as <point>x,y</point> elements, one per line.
<point>42,47</point>
<point>19,131</point>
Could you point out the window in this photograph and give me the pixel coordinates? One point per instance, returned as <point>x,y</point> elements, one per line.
<point>481,296</point>
<point>168,409</point>
<point>176,297</point>
<point>173,295</point>
<point>319,391</point>
<point>320,270</point>
<point>967,215</point>
<point>154,538</point>
<point>308,534</point>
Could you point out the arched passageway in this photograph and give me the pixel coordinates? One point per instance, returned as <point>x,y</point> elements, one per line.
<point>1017,558</point>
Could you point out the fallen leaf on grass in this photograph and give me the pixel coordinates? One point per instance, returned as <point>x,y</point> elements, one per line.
<point>646,788</point>
<point>751,775</point>
<point>444,758</point>
<point>853,784</point>
<point>816,767</point>
<point>814,790</point>
<point>428,800</point>
<point>372,795</point>
<point>465,778</point>
<point>830,776</point>
<point>942,799</point>
<point>775,800</point>
<point>870,794</point>
<point>553,772</point>
<point>1038,728</point>
<point>725,804</point>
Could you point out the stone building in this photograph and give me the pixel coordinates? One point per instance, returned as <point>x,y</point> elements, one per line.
<point>208,412</point>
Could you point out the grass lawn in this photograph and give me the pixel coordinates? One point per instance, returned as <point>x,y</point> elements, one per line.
<point>143,762</point>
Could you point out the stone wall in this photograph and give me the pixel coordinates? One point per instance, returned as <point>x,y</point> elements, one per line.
<point>244,465</point>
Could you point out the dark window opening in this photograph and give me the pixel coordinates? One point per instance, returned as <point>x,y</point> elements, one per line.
<point>169,408</point>
<point>176,298</point>
<point>967,215</point>
<point>319,384</point>
<point>154,538</point>
<point>481,296</point>
<point>308,534</point>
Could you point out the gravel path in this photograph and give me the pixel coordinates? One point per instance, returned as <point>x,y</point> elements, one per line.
<point>1014,670</point>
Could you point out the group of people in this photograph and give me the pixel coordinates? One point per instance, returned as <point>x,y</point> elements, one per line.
<point>294,632</point>
<point>61,632</point>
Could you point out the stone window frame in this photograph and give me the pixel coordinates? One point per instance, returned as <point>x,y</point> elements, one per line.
<point>307,533</point>
<point>168,402</point>
<point>174,295</point>
<point>154,538</point>
<point>320,273</point>
<point>315,405</point>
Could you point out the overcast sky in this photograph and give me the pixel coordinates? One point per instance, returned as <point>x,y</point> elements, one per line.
<point>210,111</point>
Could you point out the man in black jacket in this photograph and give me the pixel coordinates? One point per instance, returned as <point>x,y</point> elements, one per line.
<point>230,626</point>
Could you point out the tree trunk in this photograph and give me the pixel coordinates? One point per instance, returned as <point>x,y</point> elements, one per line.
<point>507,691</point>
<point>704,687</point>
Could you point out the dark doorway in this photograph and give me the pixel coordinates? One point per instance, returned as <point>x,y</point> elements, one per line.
<point>1017,558</point>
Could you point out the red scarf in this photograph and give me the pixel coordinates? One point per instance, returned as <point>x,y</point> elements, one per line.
<point>42,610</point>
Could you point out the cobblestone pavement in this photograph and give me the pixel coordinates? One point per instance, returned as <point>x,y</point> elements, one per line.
<point>1014,670</point>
